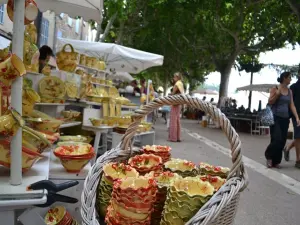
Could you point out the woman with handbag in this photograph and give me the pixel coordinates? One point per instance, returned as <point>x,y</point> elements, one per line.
<point>281,100</point>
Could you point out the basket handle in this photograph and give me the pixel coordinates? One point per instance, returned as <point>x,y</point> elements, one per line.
<point>215,113</point>
<point>64,48</point>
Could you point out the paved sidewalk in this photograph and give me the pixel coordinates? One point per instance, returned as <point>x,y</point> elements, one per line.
<point>265,201</point>
<point>253,146</point>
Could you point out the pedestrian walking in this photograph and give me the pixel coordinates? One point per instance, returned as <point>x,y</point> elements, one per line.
<point>295,88</point>
<point>281,101</point>
<point>175,126</point>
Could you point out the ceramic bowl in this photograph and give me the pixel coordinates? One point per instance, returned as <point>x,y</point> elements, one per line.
<point>38,142</point>
<point>114,171</point>
<point>45,99</point>
<point>58,216</point>
<point>157,149</point>
<point>215,181</point>
<point>29,157</point>
<point>73,165</point>
<point>71,114</point>
<point>113,217</point>
<point>97,122</point>
<point>140,186</point>
<point>76,138</point>
<point>145,163</point>
<point>125,213</point>
<point>45,124</point>
<point>74,150</point>
<point>205,168</point>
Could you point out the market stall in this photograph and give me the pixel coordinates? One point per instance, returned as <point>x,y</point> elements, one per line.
<point>244,119</point>
<point>54,106</point>
<point>38,166</point>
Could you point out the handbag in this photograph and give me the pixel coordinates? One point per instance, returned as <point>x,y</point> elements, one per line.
<point>267,117</point>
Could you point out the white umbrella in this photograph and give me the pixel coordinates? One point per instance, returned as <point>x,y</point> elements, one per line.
<point>123,76</point>
<point>257,87</point>
<point>205,92</point>
<point>117,57</point>
<point>88,9</point>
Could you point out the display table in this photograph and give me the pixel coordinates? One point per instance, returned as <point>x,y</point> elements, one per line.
<point>98,131</point>
<point>140,139</point>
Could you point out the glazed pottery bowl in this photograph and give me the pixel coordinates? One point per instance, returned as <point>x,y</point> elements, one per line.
<point>29,157</point>
<point>114,171</point>
<point>71,114</point>
<point>154,149</point>
<point>77,138</point>
<point>40,124</point>
<point>183,167</point>
<point>74,165</point>
<point>145,163</point>
<point>58,216</point>
<point>75,150</point>
<point>205,168</point>
<point>215,181</point>
<point>97,122</point>
<point>38,142</point>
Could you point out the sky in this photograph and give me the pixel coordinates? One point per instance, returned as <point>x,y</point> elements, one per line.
<point>285,56</point>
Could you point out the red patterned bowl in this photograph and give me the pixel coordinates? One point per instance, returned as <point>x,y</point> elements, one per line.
<point>146,163</point>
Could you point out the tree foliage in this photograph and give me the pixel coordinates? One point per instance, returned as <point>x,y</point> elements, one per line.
<point>200,36</point>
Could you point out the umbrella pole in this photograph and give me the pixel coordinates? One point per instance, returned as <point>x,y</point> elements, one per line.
<point>250,92</point>
<point>16,93</point>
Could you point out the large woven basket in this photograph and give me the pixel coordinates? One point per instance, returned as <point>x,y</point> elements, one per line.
<point>219,210</point>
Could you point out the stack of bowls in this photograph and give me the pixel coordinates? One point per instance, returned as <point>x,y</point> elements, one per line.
<point>159,150</point>
<point>29,157</point>
<point>111,172</point>
<point>59,216</point>
<point>215,181</point>
<point>74,155</point>
<point>185,197</point>
<point>132,201</point>
<point>205,168</point>
<point>146,163</point>
<point>164,181</point>
<point>182,167</point>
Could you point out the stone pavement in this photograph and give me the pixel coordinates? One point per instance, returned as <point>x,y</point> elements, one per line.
<point>272,197</point>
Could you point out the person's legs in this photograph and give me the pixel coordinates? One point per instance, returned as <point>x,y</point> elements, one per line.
<point>281,141</point>
<point>269,150</point>
<point>178,126</point>
<point>173,124</point>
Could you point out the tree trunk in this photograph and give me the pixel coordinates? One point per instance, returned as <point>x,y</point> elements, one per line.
<point>108,26</point>
<point>121,33</point>
<point>225,75</point>
<point>166,85</point>
<point>99,30</point>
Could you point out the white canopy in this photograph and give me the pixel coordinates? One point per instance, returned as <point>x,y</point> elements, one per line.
<point>4,42</point>
<point>117,57</point>
<point>123,76</point>
<point>257,87</point>
<point>88,9</point>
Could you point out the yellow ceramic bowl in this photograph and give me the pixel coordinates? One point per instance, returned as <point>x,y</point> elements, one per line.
<point>45,124</point>
<point>97,122</point>
<point>70,114</point>
<point>77,138</point>
<point>114,171</point>
<point>74,165</point>
<point>28,157</point>
<point>39,143</point>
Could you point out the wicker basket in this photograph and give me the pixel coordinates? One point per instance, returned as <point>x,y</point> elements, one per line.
<point>219,210</point>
